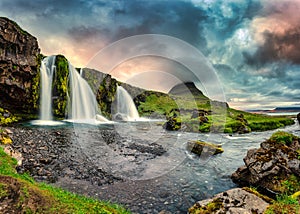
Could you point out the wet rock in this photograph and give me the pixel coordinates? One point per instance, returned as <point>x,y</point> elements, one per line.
<point>173,123</point>
<point>48,156</point>
<point>298,117</point>
<point>204,148</point>
<point>232,201</point>
<point>152,148</point>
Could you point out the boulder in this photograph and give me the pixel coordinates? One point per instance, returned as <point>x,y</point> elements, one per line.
<point>19,54</point>
<point>232,201</point>
<point>298,117</point>
<point>203,148</point>
<point>271,164</point>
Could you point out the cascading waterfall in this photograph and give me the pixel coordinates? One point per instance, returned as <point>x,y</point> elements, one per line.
<point>47,70</point>
<point>82,100</point>
<point>126,109</point>
<point>82,104</point>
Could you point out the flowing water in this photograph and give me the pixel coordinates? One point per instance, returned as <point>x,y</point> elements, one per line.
<point>126,108</point>
<point>173,181</point>
<point>47,70</point>
<point>84,107</point>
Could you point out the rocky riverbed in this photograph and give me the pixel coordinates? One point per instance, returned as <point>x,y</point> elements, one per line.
<point>57,155</point>
<point>50,153</point>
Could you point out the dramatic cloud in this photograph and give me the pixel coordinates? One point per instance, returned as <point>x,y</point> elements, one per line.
<point>278,33</point>
<point>254,45</point>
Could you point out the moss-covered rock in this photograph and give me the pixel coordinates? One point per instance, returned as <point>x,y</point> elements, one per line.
<point>232,201</point>
<point>173,122</point>
<point>5,136</point>
<point>7,118</point>
<point>35,85</point>
<point>60,86</point>
<point>204,148</point>
<point>106,95</point>
<point>274,167</point>
<point>239,124</point>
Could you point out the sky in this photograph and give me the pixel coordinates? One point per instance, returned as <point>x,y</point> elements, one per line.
<point>253,45</point>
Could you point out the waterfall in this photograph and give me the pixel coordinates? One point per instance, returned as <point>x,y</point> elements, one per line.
<point>82,100</point>
<point>82,104</point>
<point>47,70</point>
<point>126,109</point>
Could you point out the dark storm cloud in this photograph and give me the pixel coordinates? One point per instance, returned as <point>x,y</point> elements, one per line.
<point>84,33</point>
<point>175,18</point>
<point>254,44</point>
<point>277,47</point>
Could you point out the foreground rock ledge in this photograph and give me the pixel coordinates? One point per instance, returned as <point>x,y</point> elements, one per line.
<point>232,201</point>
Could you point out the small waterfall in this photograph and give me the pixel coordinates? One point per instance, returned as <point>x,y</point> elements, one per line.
<point>47,70</point>
<point>82,100</point>
<point>126,109</point>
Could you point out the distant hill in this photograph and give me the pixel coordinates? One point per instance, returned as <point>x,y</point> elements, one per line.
<point>186,89</point>
<point>277,109</point>
<point>291,109</point>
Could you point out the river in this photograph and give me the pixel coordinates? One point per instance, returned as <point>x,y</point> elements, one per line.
<point>173,181</point>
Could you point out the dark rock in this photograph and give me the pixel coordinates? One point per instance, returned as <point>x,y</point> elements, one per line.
<point>120,117</point>
<point>152,148</point>
<point>172,124</point>
<point>232,201</point>
<point>173,120</point>
<point>203,148</point>
<point>267,166</point>
<point>18,66</point>
<point>298,117</point>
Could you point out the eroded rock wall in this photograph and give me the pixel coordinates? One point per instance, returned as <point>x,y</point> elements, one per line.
<point>19,53</point>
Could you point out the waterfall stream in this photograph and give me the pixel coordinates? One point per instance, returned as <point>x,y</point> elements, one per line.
<point>126,109</point>
<point>47,70</point>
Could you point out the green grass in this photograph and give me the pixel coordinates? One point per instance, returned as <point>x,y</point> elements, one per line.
<point>287,202</point>
<point>48,198</point>
<point>221,118</point>
<point>284,204</point>
<point>283,137</point>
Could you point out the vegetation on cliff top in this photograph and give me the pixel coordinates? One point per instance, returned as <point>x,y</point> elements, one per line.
<point>19,193</point>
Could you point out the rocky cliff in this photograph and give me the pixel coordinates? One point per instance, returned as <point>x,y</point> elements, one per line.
<point>19,52</point>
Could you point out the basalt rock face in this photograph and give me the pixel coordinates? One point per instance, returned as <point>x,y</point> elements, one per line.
<point>18,66</point>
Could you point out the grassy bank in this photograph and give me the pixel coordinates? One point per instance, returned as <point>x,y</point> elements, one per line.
<point>199,114</point>
<point>21,194</point>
